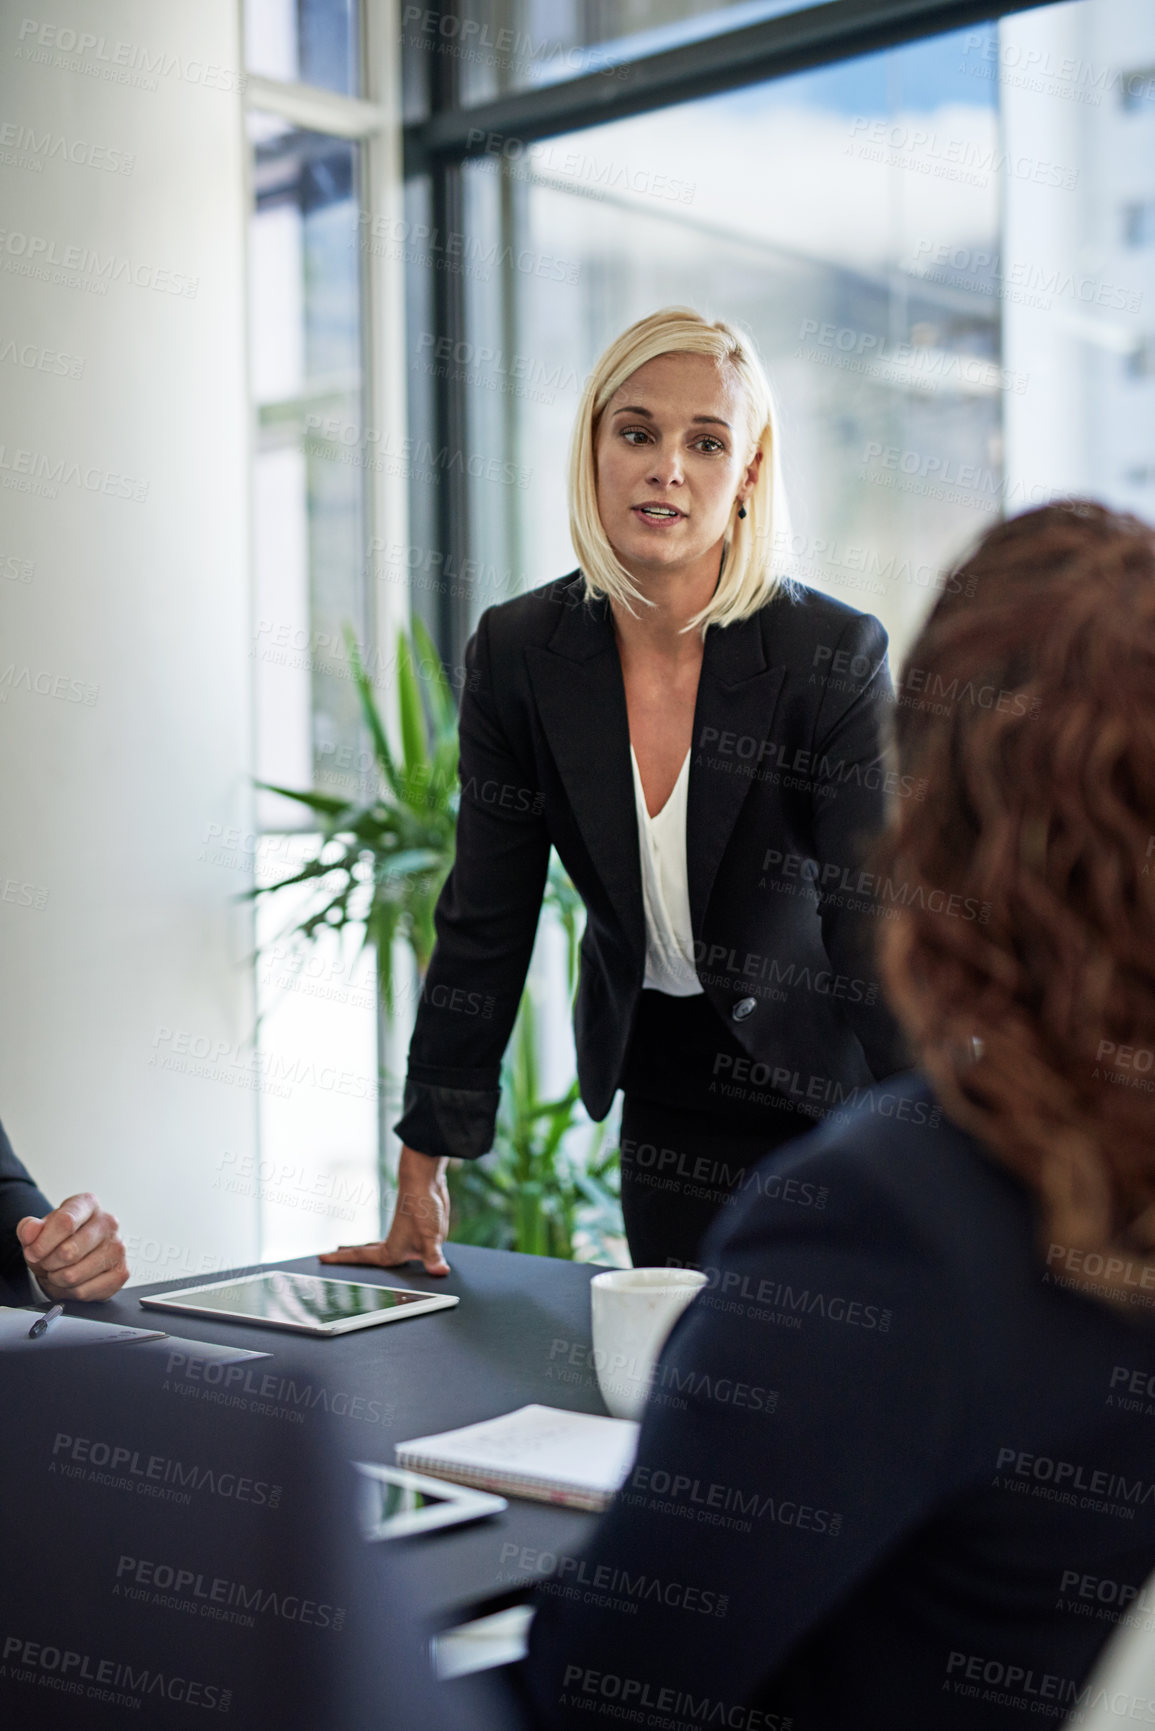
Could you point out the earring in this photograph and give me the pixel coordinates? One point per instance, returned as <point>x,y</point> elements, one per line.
<point>741,510</point>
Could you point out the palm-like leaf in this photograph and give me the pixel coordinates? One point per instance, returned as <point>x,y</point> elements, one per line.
<point>536,1191</point>
<point>379,868</point>
<point>399,846</point>
<point>384,756</point>
<point>413,725</point>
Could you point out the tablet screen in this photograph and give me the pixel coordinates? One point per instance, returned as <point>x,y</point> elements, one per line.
<point>301,1299</point>
<point>399,1504</point>
<point>389,1497</point>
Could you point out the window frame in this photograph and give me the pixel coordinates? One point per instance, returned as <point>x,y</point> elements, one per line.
<point>373,121</point>
<point>451,135</point>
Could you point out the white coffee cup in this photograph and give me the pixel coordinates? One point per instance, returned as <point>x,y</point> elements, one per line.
<point>633,1311</point>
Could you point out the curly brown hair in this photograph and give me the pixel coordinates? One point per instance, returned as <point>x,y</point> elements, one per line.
<point>1027,706</point>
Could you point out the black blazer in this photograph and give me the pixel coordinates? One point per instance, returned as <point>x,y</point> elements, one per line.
<point>893,1474</point>
<point>239,1591</point>
<point>785,785</point>
<point>18,1197</point>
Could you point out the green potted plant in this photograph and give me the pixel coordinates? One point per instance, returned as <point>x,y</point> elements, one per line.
<point>379,866</point>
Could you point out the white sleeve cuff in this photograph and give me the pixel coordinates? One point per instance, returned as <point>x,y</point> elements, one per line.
<point>38,1291</point>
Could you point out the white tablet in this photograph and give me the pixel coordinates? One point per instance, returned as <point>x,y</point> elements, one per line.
<point>397,1503</point>
<point>305,1303</point>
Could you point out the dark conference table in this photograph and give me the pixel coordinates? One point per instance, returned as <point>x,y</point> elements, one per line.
<point>520,1334</point>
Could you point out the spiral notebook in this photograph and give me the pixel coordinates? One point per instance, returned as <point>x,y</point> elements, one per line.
<point>541,1452</point>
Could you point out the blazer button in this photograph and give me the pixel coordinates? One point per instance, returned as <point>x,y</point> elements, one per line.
<point>743,1008</point>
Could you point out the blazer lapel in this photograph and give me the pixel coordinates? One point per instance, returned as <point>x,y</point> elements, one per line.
<point>737,696</point>
<point>581,699</point>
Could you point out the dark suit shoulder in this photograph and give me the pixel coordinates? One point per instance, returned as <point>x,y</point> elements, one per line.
<point>532,618</point>
<point>797,618</point>
<point>19,1196</point>
<point>794,621</point>
<point>902,1185</point>
<point>893,1148</point>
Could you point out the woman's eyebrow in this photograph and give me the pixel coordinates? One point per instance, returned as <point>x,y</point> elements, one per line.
<point>710,420</point>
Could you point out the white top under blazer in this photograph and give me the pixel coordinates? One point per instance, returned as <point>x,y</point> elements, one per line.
<point>666,889</point>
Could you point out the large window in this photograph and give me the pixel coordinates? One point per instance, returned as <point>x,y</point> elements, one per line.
<point>326,389</point>
<point>307,348</point>
<point>944,248</point>
<point>314,42</point>
<point>1076,285</point>
<point>498,46</point>
<point>943,245</point>
<point>801,209</point>
<point>942,251</point>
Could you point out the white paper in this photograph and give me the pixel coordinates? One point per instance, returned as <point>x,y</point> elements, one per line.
<point>180,1351</point>
<point>64,1331</point>
<point>484,1644</point>
<point>579,1450</point>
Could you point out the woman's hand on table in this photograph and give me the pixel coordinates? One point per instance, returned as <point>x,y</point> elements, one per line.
<point>420,1220</point>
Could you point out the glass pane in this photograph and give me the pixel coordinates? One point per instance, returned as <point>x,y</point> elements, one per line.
<point>306,348</point>
<point>870,357</point>
<point>948,266</point>
<point>281,560</point>
<point>317,1062</point>
<point>1077,272</point>
<point>307,298</point>
<point>305,42</point>
<point>496,46</point>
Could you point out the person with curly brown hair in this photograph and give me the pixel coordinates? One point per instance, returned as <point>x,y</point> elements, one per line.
<point>949,1503</point>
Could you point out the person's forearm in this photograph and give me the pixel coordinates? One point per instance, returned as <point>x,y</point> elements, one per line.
<point>420,1171</point>
<point>19,1196</point>
<point>420,1183</point>
<point>420,1219</point>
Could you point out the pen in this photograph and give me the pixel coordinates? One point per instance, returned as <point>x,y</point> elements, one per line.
<point>40,1326</point>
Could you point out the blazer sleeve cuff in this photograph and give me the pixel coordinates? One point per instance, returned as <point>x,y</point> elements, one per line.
<point>458,1122</point>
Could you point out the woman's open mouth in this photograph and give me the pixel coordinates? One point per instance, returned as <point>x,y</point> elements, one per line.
<point>659,514</point>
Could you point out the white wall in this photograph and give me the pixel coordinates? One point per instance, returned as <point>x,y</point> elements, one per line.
<point>135,624</point>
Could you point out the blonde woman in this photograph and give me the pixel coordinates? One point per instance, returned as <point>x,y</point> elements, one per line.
<point>698,739</point>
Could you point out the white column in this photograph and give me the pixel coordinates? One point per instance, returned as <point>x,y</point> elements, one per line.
<point>125,619</point>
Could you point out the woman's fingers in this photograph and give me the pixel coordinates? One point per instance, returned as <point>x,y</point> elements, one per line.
<point>420,1223</point>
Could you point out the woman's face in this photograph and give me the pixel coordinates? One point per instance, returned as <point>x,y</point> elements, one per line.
<point>672,457</point>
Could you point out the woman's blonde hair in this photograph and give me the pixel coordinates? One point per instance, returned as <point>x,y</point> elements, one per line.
<point>751,565</point>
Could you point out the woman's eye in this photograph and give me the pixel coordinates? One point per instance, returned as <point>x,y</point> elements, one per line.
<point>709,444</point>
<point>634,435</point>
